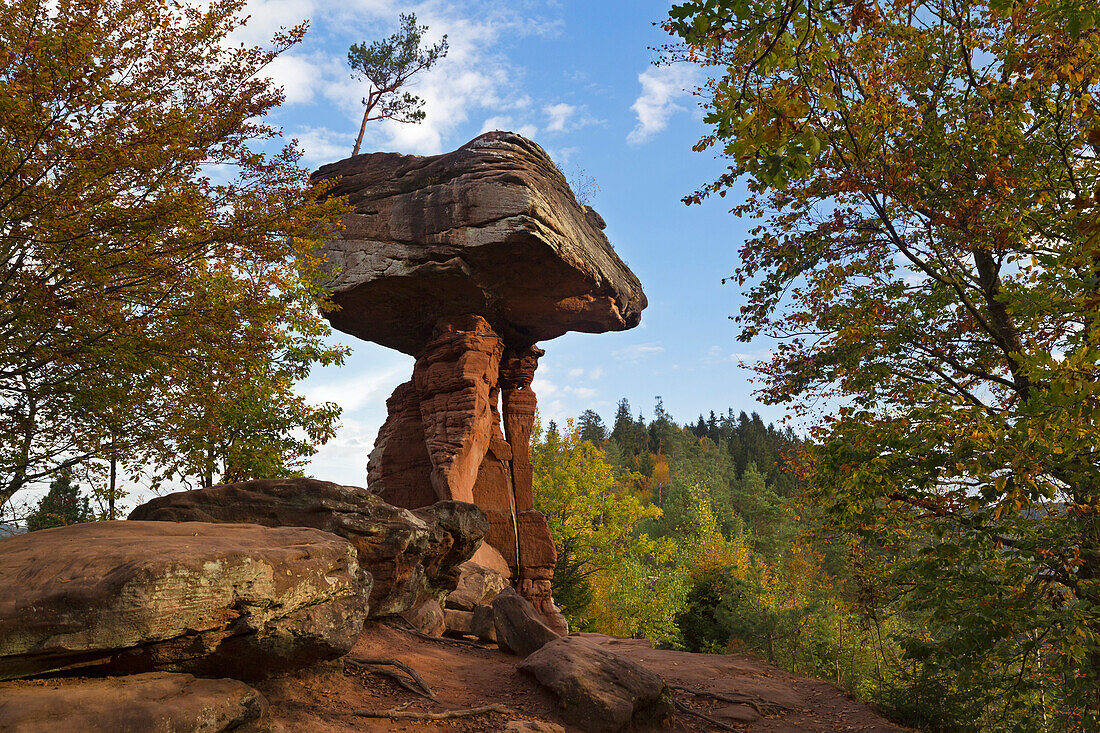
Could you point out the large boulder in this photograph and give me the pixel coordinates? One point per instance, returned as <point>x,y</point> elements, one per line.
<point>211,599</point>
<point>519,628</point>
<point>598,690</point>
<point>427,618</point>
<point>491,228</point>
<point>412,556</point>
<point>477,586</point>
<point>155,702</point>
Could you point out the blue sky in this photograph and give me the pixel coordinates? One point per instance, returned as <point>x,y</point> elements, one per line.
<point>576,76</point>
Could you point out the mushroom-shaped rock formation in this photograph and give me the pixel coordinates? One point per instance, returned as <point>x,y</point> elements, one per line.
<point>466,260</point>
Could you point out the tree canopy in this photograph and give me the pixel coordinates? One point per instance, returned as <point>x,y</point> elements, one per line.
<point>919,171</point>
<point>154,235</point>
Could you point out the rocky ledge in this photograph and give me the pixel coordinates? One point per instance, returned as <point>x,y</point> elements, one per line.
<point>216,599</point>
<point>412,556</point>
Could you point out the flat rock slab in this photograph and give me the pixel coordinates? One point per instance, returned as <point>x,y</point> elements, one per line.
<point>598,690</point>
<point>412,556</point>
<point>156,702</point>
<point>491,228</point>
<point>213,599</point>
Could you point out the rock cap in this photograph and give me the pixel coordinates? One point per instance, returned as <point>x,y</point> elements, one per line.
<point>491,229</point>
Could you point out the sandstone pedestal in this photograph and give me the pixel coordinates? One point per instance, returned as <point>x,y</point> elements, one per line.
<point>466,260</point>
<point>444,433</point>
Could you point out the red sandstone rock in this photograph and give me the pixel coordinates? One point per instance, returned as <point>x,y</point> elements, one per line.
<point>220,599</point>
<point>454,376</point>
<point>455,391</point>
<point>399,469</point>
<point>466,260</point>
<point>155,701</point>
<point>491,228</point>
<point>519,628</point>
<point>598,690</point>
<point>428,618</point>
<point>477,586</point>
<point>412,556</point>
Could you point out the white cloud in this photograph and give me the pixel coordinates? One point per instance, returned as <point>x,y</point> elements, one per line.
<point>637,352</point>
<point>322,145</point>
<point>662,89</point>
<point>362,389</point>
<point>344,458</point>
<point>297,76</point>
<point>717,355</point>
<point>559,116</point>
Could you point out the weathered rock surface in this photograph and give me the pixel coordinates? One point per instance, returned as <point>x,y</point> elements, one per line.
<point>155,702</point>
<point>428,618</point>
<point>489,557</point>
<point>598,690</point>
<point>466,260</point>
<point>491,228</point>
<point>476,586</point>
<point>519,629</point>
<point>459,622</point>
<point>214,599</point>
<point>483,625</point>
<point>412,556</point>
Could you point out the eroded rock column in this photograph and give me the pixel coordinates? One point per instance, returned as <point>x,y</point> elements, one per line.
<point>440,424</point>
<point>537,554</point>
<point>455,376</point>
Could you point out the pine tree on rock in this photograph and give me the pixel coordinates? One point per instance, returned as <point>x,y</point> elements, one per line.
<point>388,65</point>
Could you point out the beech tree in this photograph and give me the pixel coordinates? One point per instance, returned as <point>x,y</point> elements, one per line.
<point>146,213</point>
<point>388,65</point>
<point>918,171</point>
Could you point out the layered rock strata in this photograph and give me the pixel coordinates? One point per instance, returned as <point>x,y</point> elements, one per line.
<point>163,702</point>
<point>412,556</point>
<point>466,260</point>
<point>126,597</point>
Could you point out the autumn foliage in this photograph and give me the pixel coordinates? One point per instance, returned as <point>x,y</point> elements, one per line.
<point>156,239</point>
<point>919,173</point>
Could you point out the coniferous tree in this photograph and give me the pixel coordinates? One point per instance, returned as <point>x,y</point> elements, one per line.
<point>622,429</point>
<point>61,506</point>
<point>592,428</point>
<point>388,65</point>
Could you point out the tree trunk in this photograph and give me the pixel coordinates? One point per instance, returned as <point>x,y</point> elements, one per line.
<point>111,488</point>
<point>372,99</point>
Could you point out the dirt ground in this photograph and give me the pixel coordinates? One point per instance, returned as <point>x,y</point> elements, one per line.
<point>325,699</point>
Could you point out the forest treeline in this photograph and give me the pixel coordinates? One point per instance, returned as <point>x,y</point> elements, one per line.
<point>698,535</point>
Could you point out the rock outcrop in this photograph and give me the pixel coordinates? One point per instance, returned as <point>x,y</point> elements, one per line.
<point>598,690</point>
<point>428,618</point>
<point>412,556</point>
<point>489,229</point>
<point>126,597</point>
<point>155,701</point>
<point>465,261</point>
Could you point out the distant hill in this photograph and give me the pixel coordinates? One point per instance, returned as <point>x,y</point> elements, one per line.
<point>7,529</point>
